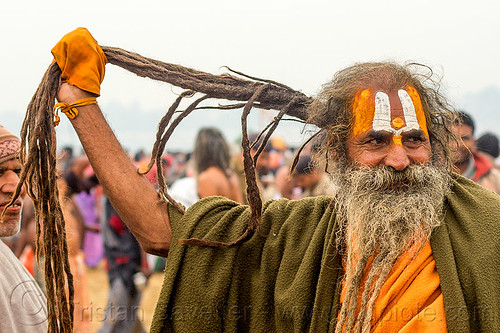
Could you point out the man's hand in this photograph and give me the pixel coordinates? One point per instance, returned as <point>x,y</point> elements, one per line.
<point>81,60</point>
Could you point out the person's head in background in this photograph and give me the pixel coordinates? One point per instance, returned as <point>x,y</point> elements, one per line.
<point>464,130</point>
<point>488,144</point>
<point>306,174</point>
<point>211,150</point>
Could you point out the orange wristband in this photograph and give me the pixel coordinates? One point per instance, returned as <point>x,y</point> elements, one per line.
<point>71,110</point>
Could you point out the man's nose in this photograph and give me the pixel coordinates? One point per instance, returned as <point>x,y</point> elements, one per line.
<point>397,157</point>
<point>10,181</point>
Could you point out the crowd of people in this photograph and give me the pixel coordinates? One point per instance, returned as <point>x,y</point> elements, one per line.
<point>393,222</point>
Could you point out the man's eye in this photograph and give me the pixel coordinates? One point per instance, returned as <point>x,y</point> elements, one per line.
<point>375,141</point>
<point>414,140</point>
<point>17,171</point>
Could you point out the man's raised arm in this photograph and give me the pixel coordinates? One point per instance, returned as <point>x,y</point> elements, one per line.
<point>133,197</point>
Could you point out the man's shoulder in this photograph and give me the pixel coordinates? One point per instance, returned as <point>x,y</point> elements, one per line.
<point>224,214</point>
<point>308,203</point>
<point>303,211</point>
<point>466,248</point>
<point>212,175</point>
<point>471,224</point>
<point>276,206</point>
<point>473,207</point>
<point>23,304</point>
<point>467,190</point>
<point>491,180</point>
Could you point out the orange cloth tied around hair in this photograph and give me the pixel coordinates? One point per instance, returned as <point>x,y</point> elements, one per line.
<point>410,300</point>
<point>81,60</point>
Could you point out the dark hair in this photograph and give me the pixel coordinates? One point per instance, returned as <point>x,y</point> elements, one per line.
<point>304,165</point>
<point>465,119</point>
<point>69,150</point>
<point>253,137</point>
<point>211,150</point>
<point>331,110</point>
<point>488,143</point>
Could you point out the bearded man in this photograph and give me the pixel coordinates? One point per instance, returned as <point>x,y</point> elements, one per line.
<point>22,302</point>
<point>404,246</point>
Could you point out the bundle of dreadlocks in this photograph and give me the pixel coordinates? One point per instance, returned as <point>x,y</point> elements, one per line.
<point>264,94</point>
<point>38,154</point>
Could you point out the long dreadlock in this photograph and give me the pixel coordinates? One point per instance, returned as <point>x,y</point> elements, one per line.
<point>38,155</point>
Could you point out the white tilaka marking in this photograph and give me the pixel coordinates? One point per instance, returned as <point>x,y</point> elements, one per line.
<point>408,110</point>
<point>382,117</point>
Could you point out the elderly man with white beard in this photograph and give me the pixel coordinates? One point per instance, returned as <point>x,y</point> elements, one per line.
<point>405,245</point>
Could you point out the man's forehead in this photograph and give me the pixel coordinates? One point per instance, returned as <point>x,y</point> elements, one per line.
<point>12,163</point>
<point>396,111</point>
<point>9,146</point>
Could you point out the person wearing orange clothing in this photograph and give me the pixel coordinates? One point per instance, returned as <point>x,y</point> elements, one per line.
<point>406,245</point>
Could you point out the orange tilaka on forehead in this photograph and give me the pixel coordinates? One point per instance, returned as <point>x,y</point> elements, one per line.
<point>376,112</point>
<point>364,111</point>
<point>419,110</point>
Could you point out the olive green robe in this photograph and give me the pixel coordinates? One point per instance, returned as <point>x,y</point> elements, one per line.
<point>288,277</point>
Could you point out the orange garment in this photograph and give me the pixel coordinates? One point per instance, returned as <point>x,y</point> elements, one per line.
<point>81,60</point>
<point>27,258</point>
<point>410,300</point>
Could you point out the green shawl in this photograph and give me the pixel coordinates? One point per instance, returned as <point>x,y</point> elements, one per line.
<point>287,279</point>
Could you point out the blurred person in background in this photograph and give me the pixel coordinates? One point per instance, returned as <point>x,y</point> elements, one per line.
<point>311,179</point>
<point>285,184</point>
<point>488,147</point>
<point>82,187</point>
<point>214,176</point>
<point>128,272</point>
<point>265,177</point>
<point>65,157</point>
<point>75,230</point>
<point>467,161</point>
<point>88,205</point>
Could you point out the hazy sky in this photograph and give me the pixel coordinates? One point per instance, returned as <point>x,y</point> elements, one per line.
<point>299,43</point>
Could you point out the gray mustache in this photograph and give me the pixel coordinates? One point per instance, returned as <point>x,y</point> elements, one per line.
<point>387,178</point>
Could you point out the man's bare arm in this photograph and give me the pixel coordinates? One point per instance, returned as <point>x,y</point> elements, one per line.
<point>133,197</point>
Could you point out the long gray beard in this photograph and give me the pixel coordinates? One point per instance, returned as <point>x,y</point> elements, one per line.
<point>383,213</point>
